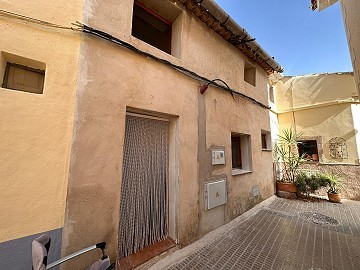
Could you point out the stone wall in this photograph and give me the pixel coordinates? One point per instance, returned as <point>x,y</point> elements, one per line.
<point>350,174</point>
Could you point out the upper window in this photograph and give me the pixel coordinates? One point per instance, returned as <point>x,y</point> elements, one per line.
<point>309,149</point>
<point>271,94</point>
<point>265,140</point>
<point>23,78</point>
<point>249,73</point>
<point>151,28</point>
<point>241,153</point>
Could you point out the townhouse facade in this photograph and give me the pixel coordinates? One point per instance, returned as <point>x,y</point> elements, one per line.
<point>147,123</point>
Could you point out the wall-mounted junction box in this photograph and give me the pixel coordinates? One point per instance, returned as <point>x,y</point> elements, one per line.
<point>218,157</point>
<point>215,193</point>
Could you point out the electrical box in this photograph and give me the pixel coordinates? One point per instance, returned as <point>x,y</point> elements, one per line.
<point>215,193</point>
<point>218,157</point>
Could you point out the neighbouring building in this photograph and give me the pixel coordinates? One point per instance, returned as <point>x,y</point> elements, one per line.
<point>38,71</point>
<point>154,129</point>
<point>350,11</point>
<point>325,108</point>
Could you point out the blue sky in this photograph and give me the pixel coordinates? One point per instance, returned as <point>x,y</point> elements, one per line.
<point>301,40</point>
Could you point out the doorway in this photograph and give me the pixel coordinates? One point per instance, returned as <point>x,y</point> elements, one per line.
<point>144,209</point>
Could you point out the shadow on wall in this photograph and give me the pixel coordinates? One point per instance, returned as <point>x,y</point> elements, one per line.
<point>16,254</point>
<point>323,84</point>
<point>318,88</point>
<point>311,118</point>
<point>290,93</point>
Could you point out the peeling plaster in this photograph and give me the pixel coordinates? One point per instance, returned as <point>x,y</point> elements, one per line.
<point>89,10</point>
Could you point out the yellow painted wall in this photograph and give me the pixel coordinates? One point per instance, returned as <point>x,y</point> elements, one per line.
<point>320,105</point>
<point>36,129</point>
<point>315,89</point>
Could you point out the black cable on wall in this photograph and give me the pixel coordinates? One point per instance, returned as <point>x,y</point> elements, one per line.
<point>103,35</point>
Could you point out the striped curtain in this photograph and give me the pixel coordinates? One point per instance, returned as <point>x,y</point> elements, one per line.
<point>144,204</point>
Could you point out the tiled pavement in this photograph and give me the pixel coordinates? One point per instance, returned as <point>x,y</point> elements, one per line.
<point>281,236</point>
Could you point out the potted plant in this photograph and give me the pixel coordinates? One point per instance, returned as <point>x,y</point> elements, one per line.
<point>288,159</point>
<point>309,183</point>
<point>335,184</point>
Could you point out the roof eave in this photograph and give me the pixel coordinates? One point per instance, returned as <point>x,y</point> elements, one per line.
<point>218,20</point>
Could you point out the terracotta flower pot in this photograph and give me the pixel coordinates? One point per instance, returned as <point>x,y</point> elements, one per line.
<point>334,197</point>
<point>287,187</point>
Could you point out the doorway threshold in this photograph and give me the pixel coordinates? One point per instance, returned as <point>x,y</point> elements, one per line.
<point>147,253</point>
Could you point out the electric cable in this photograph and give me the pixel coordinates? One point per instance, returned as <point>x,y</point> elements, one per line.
<point>106,36</point>
<point>192,74</point>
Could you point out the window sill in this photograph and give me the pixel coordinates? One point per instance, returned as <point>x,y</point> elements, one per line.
<point>310,162</point>
<point>266,150</point>
<point>239,171</point>
<point>148,48</point>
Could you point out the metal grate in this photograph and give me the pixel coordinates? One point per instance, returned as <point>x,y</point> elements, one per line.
<point>318,218</point>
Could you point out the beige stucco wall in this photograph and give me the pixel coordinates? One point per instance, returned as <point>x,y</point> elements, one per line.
<point>36,129</point>
<point>113,79</point>
<point>315,89</point>
<point>350,11</point>
<point>320,105</point>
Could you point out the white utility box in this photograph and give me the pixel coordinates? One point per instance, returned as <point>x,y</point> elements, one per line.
<point>218,157</point>
<point>215,193</point>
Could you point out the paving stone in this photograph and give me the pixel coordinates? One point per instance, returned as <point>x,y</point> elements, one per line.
<point>287,234</point>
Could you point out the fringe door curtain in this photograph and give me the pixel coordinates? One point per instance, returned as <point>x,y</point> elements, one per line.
<point>144,204</point>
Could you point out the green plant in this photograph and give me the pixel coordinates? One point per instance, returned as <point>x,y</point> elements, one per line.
<point>287,155</point>
<point>309,183</point>
<point>335,183</point>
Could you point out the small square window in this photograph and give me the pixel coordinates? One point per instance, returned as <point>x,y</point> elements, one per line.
<point>23,78</point>
<point>271,94</point>
<point>309,149</point>
<point>265,140</point>
<point>241,153</point>
<point>236,152</point>
<point>249,73</point>
<point>151,28</point>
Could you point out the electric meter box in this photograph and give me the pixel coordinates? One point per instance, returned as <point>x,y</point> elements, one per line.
<point>218,157</point>
<point>215,193</point>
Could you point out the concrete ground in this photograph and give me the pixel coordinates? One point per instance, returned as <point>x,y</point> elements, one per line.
<point>279,234</point>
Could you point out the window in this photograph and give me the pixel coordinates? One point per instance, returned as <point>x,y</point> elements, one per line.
<point>265,140</point>
<point>309,149</point>
<point>23,78</point>
<point>151,28</point>
<point>241,153</point>
<point>271,94</point>
<point>236,152</point>
<point>249,73</point>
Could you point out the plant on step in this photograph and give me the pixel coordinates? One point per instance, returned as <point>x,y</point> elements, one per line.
<point>335,183</point>
<point>287,155</point>
<point>309,183</point>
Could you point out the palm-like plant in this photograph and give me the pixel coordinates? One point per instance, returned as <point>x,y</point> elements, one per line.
<point>335,183</point>
<point>287,155</point>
